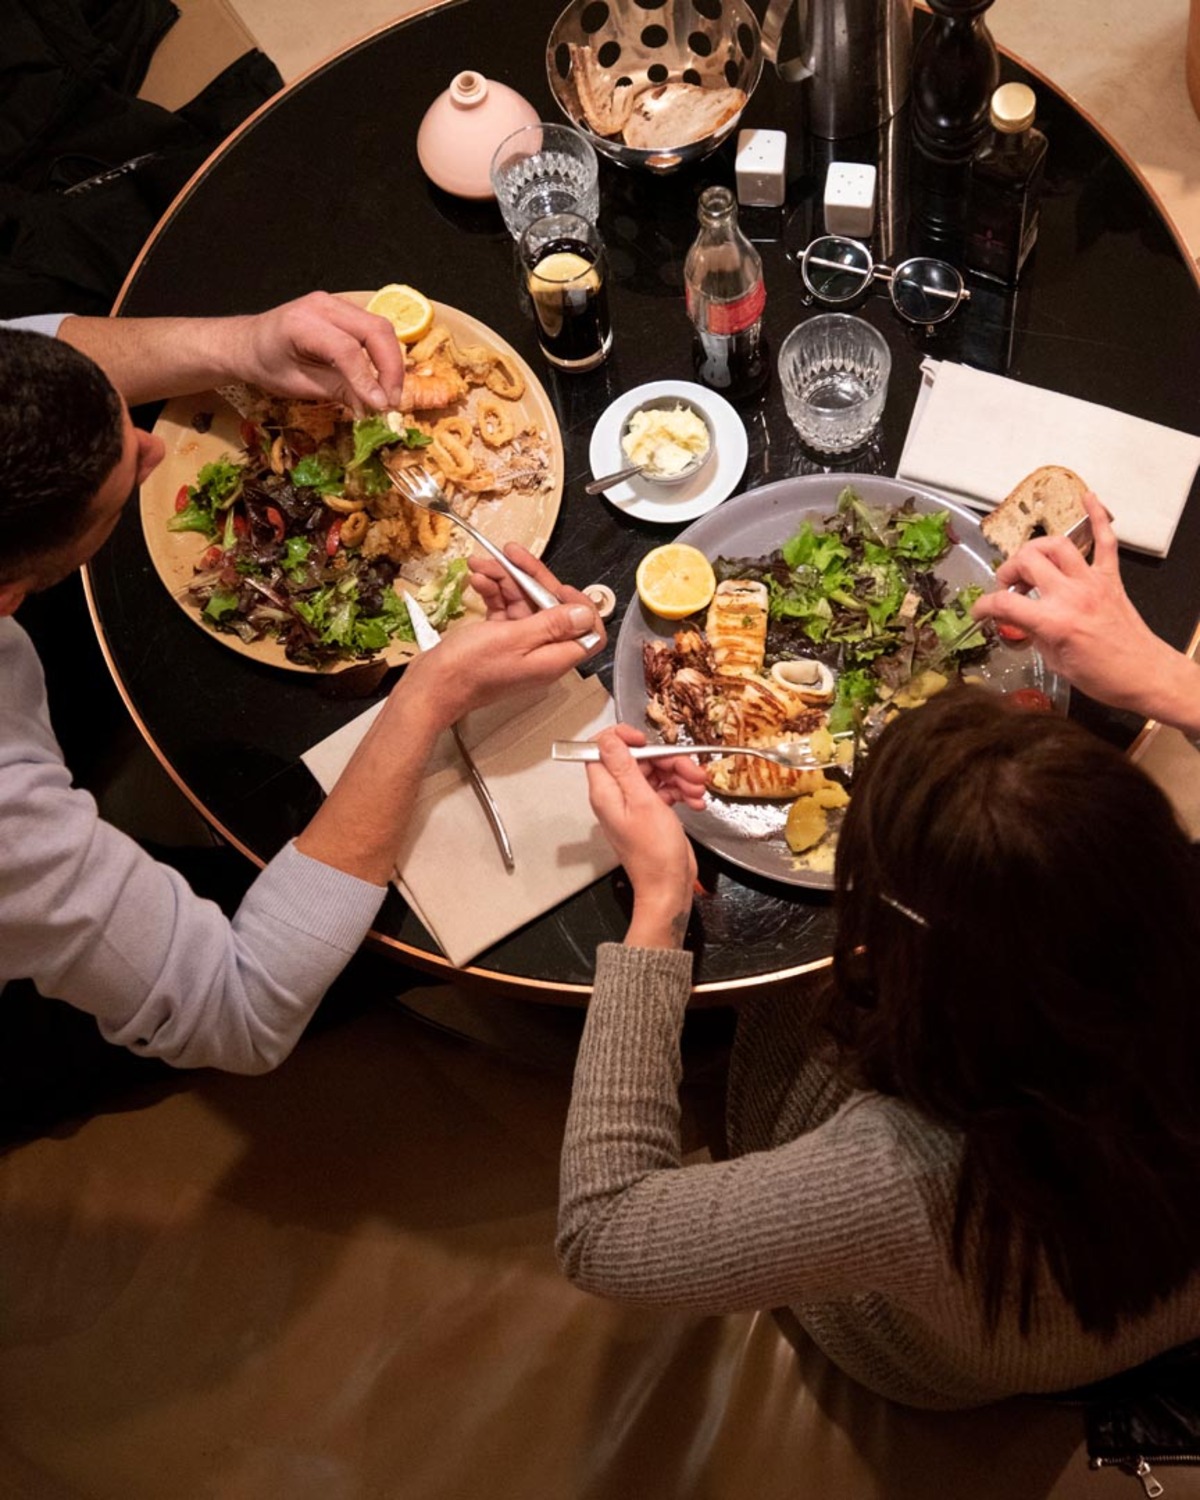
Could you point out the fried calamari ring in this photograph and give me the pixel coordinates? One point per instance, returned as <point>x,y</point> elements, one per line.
<point>457,427</point>
<point>354,529</point>
<point>343,505</point>
<point>505,379</point>
<point>438,335</point>
<point>494,417</point>
<point>433,531</point>
<point>449,451</point>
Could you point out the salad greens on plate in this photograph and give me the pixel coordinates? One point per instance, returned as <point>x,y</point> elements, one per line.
<point>860,591</point>
<point>278,563</point>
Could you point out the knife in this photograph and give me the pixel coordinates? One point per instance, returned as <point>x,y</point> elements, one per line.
<point>427,638</point>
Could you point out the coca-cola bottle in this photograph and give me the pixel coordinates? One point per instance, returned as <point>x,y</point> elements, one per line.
<point>726,296</point>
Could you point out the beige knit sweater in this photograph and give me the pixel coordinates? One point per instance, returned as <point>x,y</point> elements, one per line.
<point>835,1204</point>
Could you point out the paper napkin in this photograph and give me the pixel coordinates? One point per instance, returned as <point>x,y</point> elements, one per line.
<point>449,869</point>
<point>977,435</point>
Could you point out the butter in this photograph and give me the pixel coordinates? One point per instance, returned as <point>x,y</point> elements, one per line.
<point>665,441</point>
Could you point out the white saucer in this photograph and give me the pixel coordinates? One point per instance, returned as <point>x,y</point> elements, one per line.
<point>641,497</point>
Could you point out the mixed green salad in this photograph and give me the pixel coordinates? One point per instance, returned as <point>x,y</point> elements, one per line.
<point>860,591</point>
<point>278,564</point>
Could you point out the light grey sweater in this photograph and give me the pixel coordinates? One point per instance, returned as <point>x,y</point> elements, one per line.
<point>93,920</point>
<point>835,1204</point>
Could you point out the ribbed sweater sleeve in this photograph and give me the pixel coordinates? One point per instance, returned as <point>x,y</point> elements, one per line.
<point>834,1213</point>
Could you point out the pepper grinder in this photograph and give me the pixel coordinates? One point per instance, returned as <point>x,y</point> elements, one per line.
<point>955,70</point>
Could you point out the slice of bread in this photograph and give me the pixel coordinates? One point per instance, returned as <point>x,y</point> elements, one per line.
<point>675,114</point>
<point>1045,503</point>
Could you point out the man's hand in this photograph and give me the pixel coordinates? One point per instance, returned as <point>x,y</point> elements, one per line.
<point>634,811</point>
<point>515,647</point>
<point>501,594</point>
<point>320,348</point>
<point>315,348</point>
<point>1085,627</point>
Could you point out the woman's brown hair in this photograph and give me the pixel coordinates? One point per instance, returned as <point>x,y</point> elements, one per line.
<point>1018,957</point>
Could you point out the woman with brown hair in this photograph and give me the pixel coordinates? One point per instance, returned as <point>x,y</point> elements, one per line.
<point>970,1162</point>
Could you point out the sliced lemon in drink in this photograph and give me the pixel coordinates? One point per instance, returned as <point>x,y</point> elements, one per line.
<point>675,580</point>
<point>408,311</point>
<point>563,267</point>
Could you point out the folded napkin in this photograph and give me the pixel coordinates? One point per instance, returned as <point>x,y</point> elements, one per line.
<point>976,436</point>
<point>449,869</point>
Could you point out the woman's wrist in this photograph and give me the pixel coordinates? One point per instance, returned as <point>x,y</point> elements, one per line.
<point>1172,693</point>
<point>658,922</point>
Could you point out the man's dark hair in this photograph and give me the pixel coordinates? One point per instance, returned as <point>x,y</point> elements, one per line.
<point>60,439</point>
<point>1017,955</point>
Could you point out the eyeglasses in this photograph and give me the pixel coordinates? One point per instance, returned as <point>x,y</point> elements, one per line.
<point>837,270</point>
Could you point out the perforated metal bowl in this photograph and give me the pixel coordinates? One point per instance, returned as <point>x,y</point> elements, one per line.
<point>709,43</point>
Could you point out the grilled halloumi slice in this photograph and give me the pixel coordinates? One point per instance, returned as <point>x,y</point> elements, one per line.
<point>763,780</point>
<point>737,627</point>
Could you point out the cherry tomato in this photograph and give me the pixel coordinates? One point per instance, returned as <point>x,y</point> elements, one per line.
<point>181,498</point>
<point>333,538</point>
<point>240,526</point>
<point>276,521</point>
<point>249,434</point>
<point>1031,699</point>
<point>1011,633</point>
<point>212,557</point>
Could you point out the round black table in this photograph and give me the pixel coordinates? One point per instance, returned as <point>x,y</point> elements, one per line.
<point>322,189</point>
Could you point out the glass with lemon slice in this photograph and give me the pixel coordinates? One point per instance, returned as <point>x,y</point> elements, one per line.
<point>563,260</point>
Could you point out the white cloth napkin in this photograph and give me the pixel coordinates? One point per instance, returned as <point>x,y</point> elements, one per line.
<point>977,435</point>
<point>449,869</point>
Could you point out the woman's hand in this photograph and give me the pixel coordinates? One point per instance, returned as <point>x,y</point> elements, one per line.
<point>634,809</point>
<point>1085,627</point>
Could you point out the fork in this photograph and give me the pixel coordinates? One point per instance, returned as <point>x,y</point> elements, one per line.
<point>793,754</point>
<point>419,487</point>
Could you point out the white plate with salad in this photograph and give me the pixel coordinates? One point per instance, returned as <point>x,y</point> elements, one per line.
<point>839,554</point>
<point>270,575</point>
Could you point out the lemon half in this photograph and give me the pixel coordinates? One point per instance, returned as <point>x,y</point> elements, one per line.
<point>408,311</point>
<point>675,580</point>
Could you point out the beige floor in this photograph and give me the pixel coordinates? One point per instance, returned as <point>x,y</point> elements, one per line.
<point>1122,64</point>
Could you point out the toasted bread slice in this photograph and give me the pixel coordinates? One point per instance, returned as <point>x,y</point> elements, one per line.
<point>674,114</point>
<point>1047,502</point>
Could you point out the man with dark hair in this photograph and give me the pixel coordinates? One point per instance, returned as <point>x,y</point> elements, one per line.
<point>87,914</point>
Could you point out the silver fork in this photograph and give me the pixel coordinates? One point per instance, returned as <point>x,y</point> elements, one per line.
<point>794,754</point>
<point>421,488</point>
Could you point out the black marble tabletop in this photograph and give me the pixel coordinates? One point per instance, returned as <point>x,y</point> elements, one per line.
<point>323,189</point>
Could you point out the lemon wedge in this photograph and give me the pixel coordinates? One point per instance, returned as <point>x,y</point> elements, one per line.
<point>408,311</point>
<point>675,580</point>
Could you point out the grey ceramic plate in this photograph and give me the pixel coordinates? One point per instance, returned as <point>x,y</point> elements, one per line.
<point>750,834</point>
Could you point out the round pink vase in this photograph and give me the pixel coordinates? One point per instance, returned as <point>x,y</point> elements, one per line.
<point>463,127</point>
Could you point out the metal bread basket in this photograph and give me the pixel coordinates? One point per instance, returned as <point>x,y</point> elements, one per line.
<point>644,43</point>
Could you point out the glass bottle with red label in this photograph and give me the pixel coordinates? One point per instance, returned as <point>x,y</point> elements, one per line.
<point>723,277</point>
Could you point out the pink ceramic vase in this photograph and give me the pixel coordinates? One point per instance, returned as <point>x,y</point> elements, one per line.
<point>462,128</point>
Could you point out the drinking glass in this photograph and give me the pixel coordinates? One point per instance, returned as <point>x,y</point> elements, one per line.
<point>545,169</point>
<point>562,257</point>
<point>834,372</point>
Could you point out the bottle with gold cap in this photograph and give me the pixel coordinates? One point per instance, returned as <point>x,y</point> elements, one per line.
<point>1006,179</point>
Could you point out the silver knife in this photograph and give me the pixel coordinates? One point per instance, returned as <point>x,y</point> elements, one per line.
<point>427,637</point>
